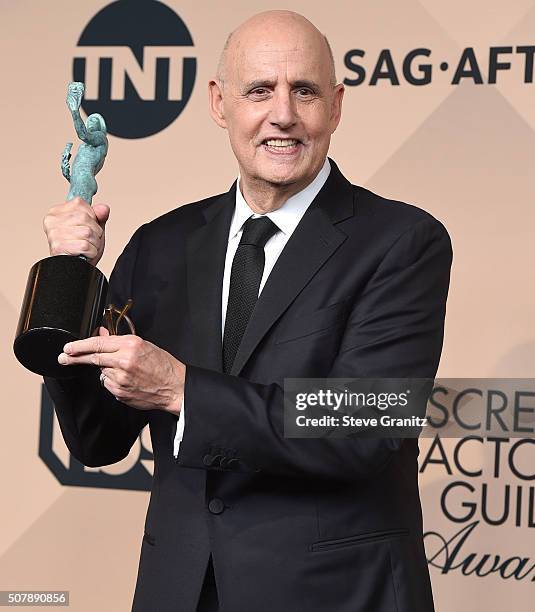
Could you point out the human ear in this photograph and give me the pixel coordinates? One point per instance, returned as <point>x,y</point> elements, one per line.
<point>215,102</point>
<point>336,106</point>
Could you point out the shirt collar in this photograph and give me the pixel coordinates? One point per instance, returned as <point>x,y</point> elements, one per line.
<point>287,217</point>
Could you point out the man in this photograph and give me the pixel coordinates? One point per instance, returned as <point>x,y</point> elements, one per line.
<point>293,272</point>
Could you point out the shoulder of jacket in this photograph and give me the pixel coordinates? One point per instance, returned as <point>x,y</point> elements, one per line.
<point>392,213</point>
<point>182,215</point>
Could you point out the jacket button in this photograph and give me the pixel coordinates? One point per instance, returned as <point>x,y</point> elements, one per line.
<point>216,506</point>
<point>207,459</point>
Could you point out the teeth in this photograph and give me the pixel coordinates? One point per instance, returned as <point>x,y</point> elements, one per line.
<point>281,143</point>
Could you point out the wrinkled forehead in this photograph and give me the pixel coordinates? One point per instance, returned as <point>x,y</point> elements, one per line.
<point>304,57</point>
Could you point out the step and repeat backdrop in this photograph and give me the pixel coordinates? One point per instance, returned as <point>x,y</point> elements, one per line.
<point>438,111</point>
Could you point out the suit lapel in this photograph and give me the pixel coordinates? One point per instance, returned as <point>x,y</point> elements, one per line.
<point>313,242</point>
<point>205,262</point>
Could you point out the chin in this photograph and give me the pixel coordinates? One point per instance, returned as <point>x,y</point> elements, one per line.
<point>281,177</point>
<point>280,181</point>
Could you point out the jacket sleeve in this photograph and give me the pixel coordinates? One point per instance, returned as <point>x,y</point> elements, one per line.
<point>97,428</point>
<point>395,329</point>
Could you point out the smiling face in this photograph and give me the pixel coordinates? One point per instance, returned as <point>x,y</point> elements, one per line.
<point>277,99</point>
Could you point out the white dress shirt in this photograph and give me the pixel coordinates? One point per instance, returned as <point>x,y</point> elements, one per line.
<point>286,218</point>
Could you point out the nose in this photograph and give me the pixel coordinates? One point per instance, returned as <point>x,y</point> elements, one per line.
<point>283,112</point>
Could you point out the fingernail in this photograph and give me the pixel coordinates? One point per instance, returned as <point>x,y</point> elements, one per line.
<point>67,348</point>
<point>62,358</point>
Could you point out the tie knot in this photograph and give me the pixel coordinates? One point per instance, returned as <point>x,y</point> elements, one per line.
<point>258,231</point>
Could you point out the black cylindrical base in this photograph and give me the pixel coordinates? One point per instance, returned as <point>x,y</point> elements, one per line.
<point>64,301</point>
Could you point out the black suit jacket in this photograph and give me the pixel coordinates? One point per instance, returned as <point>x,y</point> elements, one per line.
<point>292,524</point>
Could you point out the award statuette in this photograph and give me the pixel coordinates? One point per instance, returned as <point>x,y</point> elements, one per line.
<point>65,294</point>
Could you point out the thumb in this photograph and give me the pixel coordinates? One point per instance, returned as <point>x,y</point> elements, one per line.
<point>102,212</point>
<point>102,331</point>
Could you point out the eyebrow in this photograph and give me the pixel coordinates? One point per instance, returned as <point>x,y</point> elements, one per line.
<point>271,83</point>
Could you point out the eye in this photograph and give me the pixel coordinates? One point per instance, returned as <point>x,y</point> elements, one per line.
<point>259,92</point>
<point>304,92</point>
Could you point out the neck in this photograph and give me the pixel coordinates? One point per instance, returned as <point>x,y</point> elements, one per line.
<point>264,200</point>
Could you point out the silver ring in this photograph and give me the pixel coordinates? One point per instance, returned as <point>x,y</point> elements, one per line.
<point>102,377</point>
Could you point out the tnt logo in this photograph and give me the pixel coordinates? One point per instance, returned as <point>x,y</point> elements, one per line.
<point>136,61</point>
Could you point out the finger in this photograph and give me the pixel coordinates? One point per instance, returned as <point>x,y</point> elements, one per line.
<point>102,360</point>
<point>95,344</point>
<point>103,331</point>
<point>102,212</point>
<point>75,247</point>
<point>66,236</point>
<point>73,225</point>
<point>91,233</point>
<point>86,230</point>
<point>76,206</point>
<point>110,385</point>
<point>108,373</point>
<point>74,209</point>
<point>78,201</point>
<point>114,390</point>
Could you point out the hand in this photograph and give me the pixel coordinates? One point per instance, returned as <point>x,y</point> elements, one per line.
<point>76,228</point>
<point>137,372</point>
<point>75,91</point>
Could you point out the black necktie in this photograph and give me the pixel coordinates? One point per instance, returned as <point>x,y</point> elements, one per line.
<point>245,277</point>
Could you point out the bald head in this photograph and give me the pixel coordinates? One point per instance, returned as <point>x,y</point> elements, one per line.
<point>270,25</point>
<point>280,104</point>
